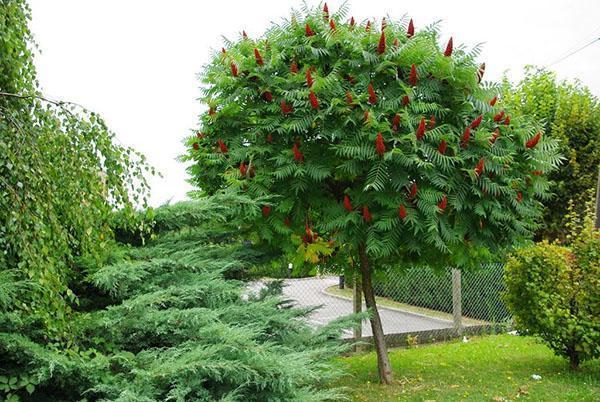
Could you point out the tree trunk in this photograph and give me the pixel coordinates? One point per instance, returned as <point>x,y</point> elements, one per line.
<point>383,360</point>
<point>574,360</point>
<point>597,224</point>
<point>357,308</point>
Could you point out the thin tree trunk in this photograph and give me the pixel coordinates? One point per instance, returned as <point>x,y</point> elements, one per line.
<point>357,308</point>
<point>597,225</point>
<point>383,360</point>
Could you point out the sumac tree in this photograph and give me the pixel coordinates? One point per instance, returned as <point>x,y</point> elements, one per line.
<point>381,141</point>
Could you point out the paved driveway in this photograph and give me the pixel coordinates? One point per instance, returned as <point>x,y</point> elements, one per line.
<point>311,292</point>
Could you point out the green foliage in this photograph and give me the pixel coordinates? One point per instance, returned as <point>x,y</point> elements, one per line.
<point>303,163</point>
<point>161,322</point>
<point>554,292</point>
<point>61,176</point>
<point>571,115</point>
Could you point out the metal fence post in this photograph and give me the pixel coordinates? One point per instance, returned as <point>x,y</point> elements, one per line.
<point>456,301</point>
<point>357,306</point>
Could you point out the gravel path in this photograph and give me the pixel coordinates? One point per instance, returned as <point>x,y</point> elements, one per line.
<point>311,292</point>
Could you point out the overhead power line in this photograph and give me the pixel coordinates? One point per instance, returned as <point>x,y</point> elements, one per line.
<point>574,52</point>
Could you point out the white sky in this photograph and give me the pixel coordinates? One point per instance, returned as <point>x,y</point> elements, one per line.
<point>135,61</point>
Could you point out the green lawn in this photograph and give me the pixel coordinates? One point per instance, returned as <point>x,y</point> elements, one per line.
<point>490,368</point>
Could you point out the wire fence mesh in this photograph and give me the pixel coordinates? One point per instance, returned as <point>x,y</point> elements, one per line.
<point>416,301</point>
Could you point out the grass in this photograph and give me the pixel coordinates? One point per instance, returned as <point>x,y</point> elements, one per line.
<point>387,302</point>
<point>490,368</point>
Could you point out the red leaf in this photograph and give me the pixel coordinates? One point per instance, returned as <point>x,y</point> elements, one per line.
<point>347,204</point>
<point>448,51</point>
<point>258,57</point>
<point>442,147</point>
<point>421,129</point>
<point>380,145</point>
<point>410,31</point>
<point>314,102</point>
<point>381,45</point>
<point>372,95</point>
<point>402,212</point>
<point>412,78</point>
<point>366,214</point>
<point>534,140</point>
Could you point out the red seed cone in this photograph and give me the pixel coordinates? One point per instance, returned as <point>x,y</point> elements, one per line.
<point>537,172</point>
<point>372,95</point>
<point>396,42</point>
<point>493,101</point>
<point>222,146</point>
<point>479,168</point>
<point>314,102</point>
<point>421,129</point>
<point>368,26</point>
<point>442,147</point>
<point>309,31</point>
<point>243,169</point>
<point>431,123</point>
<point>466,136</point>
<point>200,135</point>
<point>410,31</point>
<point>234,69</point>
<point>383,24</point>
<point>476,122</point>
<point>332,24</point>
<point>269,137</point>
<point>286,221</point>
<point>533,141</point>
<point>309,233</point>
<point>499,116</point>
<point>294,67</point>
<point>268,96</point>
<point>519,196</point>
<point>266,210</point>
<point>507,121</point>
<point>212,111</point>
<point>285,108</point>
<point>442,204</point>
<point>495,136</point>
<point>381,45</point>
<point>244,35</point>
<point>480,72</point>
<point>405,100</point>
<point>412,78</point>
<point>258,57</point>
<point>402,212</point>
<point>352,22</point>
<point>448,51</point>
<point>366,116</point>
<point>196,146</point>
<point>298,156</point>
<point>325,12</point>
<point>380,145</point>
<point>367,214</point>
<point>347,204</point>
<point>223,51</point>
<point>413,190</point>
<point>396,122</point>
<point>309,78</point>
<point>349,98</point>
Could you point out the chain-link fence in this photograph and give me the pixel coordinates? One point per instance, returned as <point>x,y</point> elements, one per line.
<point>418,302</point>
